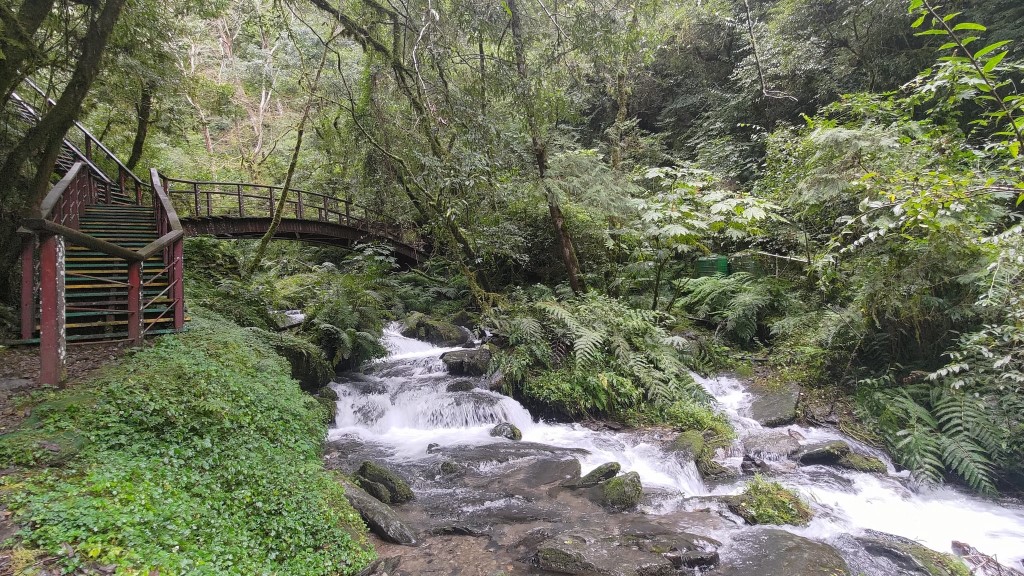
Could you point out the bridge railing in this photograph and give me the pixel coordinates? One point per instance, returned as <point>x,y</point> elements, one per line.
<point>199,199</point>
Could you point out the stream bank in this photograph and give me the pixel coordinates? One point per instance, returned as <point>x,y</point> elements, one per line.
<point>489,505</point>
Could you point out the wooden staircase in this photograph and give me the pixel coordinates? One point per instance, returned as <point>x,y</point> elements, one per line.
<point>103,260</point>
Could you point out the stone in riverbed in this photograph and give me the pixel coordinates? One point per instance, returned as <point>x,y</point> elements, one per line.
<point>507,430</point>
<point>690,443</point>
<point>375,489</point>
<point>622,492</point>
<point>460,386</point>
<point>474,362</point>
<point>910,557</point>
<point>398,488</point>
<point>775,406</point>
<point>381,519</point>
<point>437,332</point>
<point>862,463</point>
<point>823,453</point>
<point>603,472</point>
<point>594,553</point>
<point>765,552</point>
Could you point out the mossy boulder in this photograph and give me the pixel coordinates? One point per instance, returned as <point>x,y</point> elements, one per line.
<point>775,405</point>
<point>507,430</point>
<point>828,453</point>
<point>449,468</point>
<point>470,362</point>
<point>910,557</point>
<point>698,447</point>
<point>603,472</point>
<point>764,502</point>
<point>771,552</point>
<point>380,518</point>
<point>862,463</point>
<point>309,364</point>
<point>397,488</point>
<point>375,489</point>
<point>689,443</point>
<point>622,492</point>
<point>437,332</point>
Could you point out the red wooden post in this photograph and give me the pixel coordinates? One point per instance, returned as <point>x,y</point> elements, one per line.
<point>52,337</point>
<point>121,180</point>
<point>28,285</point>
<point>135,302</point>
<point>178,291</point>
<point>88,149</point>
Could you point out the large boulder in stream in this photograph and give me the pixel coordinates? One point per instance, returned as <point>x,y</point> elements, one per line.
<point>437,332</point>
<point>622,492</point>
<point>770,552</point>
<point>605,471</point>
<point>828,453</point>
<point>775,405</point>
<point>470,362</point>
<point>909,557</point>
<point>380,518</point>
<point>595,553</point>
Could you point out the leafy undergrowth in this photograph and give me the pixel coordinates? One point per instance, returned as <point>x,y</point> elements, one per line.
<point>199,455</point>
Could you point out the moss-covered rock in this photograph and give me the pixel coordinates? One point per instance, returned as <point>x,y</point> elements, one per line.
<point>399,489</point>
<point>449,468</point>
<point>375,489</point>
<point>698,447</point>
<point>862,463</point>
<point>473,362</point>
<point>911,557</point>
<point>823,453</point>
<point>437,332</point>
<point>689,443</point>
<point>603,472</point>
<point>507,430</point>
<point>622,492</point>
<point>764,502</point>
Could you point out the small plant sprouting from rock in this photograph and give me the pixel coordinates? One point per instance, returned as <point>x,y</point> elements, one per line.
<point>765,502</point>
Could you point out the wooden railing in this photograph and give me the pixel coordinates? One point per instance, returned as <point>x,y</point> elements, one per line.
<point>57,223</point>
<point>197,199</point>
<point>108,168</point>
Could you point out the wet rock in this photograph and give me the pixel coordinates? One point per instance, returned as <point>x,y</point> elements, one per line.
<point>862,463</point>
<point>330,409</point>
<point>448,468</point>
<point>823,453</point>
<point>433,448</point>
<point>765,552</point>
<point>603,472</point>
<point>460,386</point>
<point>507,430</point>
<point>775,406</point>
<point>380,518</point>
<point>550,470</point>
<point>592,554</point>
<point>713,471</point>
<point>437,332</point>
<point>684,550</point>
<point>328,393</point>
<point>622,492</point>
<point>770,444</point>
<point>398,488</point>
<point>473,362</point>
<point>911,557</point>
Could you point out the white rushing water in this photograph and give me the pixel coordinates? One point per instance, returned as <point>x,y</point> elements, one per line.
<point>402,403</point>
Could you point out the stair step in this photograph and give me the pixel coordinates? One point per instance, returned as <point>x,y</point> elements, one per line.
<point>87,313</point>
<point>77,295</point>
<point>98,337</point>
<point>102,285</point>
<point>73,326</point>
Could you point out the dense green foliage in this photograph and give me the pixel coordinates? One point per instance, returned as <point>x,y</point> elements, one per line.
<point>198,455</point>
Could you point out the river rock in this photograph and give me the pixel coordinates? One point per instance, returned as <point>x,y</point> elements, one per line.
<point>380,518</point>
<point>507,430</point>
<point>910,557</point>
<point>399,489</point>
<point>622,492</point>
<point>862,463</point>
<point>769,445</point>
<point>776,405</point>
<point>603,472</point>
<point>437,332</point>
<point>473,362</point>
<point>460,386</point>
<point>823,453</point>
<point>382,567</point>
<point>590,553</point>
<point>375,489</point>
<point>690,444</point>
<point>770,552</point>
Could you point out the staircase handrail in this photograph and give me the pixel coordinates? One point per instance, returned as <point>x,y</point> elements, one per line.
<point>90,138</point>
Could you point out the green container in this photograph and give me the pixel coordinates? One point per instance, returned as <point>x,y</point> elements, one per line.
<point>713,266</point>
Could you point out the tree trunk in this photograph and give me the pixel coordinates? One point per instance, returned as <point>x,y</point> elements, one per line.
<point>145,110</point>
<point>17,44</point>
<point>568,252</point>
<point>43,140</point>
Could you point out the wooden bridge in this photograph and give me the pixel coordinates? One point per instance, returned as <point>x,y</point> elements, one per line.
<point>103,258</point>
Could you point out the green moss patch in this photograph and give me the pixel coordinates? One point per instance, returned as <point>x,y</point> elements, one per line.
<point>764,502</point>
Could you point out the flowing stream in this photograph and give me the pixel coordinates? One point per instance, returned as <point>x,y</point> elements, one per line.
<point>401,406</point>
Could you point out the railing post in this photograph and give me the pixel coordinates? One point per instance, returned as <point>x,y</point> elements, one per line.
<point>195,196</point>
<point>52,336</point>
<point>325,217</point>
<point>28,285</point>
<point>241,201</point>
<point>178,290</point>
<point>120,180</point>
<point>298,207</point>
<point>209,202</point>
<point>88,149</point>
<point>348,210</point>
<point>135,302</point>
<point>271,201</point>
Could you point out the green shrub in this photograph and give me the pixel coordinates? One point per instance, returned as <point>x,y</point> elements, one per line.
<point>200,456</point>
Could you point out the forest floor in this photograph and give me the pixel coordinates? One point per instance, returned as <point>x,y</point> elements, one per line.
<point>19,368</point>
